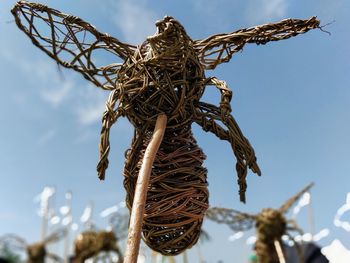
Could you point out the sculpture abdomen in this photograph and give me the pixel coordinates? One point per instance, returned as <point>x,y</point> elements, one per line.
<point>178,194</point>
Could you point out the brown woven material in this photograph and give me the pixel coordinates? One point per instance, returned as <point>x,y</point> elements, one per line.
<point>165,74</point>
<point>270,225</point>
<point>90,243</point>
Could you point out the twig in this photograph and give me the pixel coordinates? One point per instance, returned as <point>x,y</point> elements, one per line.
<point>138,207</point>
<point>321,27</point>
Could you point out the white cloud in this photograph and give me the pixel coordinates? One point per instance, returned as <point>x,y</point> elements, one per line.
<point>336,252</point>
<point>261,11</point>
<point>218,14</point>
<point>135,20</point>
<point>91,105</point>
<point>8,216</point>
<point>46,137</point>
<point>56,93</point>
<point>54,89</point>
<point>86,102</point>
<point>90,114</point>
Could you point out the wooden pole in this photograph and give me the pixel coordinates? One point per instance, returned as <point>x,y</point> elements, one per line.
<point>311,217</point>
<point>138,206</point>
<point>279,251</point>
<point>68,227</point>
<point>185,257</point>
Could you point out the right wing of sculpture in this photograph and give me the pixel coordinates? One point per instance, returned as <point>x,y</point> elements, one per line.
<point>72,42</point>
<point>55,236</point>
<point>291,201</point>
<point>219,48</point>
<point>237,221</point>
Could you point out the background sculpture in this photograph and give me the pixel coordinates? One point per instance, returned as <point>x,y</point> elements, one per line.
<point>270,225</point>
<point>36,252</point>
<point>165,74</point>
<point>90,243</point>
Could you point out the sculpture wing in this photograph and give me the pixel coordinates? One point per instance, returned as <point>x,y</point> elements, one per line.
<point>13,241</point>
<point>219,48</point>
<point>71,42</point>
<point>291,201</point>
<point>237,221</point>
<point>55,236</point>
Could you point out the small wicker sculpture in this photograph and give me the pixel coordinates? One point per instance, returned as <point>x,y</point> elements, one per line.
<point>164,75</point>
<point>36,252</point>
<point>270,226</point>
<point>90,243</point>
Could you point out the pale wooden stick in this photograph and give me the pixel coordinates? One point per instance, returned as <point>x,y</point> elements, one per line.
<point>311,217</point>
<point>279,251</point>
<point>153,256</point>
<point>138,206</point>
<point>185,258</point>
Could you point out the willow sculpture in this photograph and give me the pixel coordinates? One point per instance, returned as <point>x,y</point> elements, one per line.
<point>163,75</point>
<point>270,225</point>
<point>36,252</point>
<point>90,243</point>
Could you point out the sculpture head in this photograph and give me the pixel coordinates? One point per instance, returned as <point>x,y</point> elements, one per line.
<point>271,223</point>
<point>168,25</point>
<point>170,33</point>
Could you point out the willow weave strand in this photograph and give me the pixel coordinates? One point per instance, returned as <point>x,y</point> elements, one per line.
<point>270,225</point>
<point>165,74</point>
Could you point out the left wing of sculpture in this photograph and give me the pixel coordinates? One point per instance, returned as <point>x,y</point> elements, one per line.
<point>72,42</point>
<point>55,236</point>
<point>237,221</point>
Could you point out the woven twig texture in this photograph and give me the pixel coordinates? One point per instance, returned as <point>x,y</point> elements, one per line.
<point>165,74</point>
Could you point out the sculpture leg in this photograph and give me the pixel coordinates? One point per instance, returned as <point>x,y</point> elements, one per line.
<point>110,116</point>
<point>207,116</point>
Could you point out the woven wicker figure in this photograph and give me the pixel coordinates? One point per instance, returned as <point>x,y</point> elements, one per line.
<point>90,243</point>
<point>165,74</point>
<point>36,252</point>
<point>270,226</point>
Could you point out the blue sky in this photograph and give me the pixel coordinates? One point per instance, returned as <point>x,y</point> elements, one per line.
<point>291,99</point>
